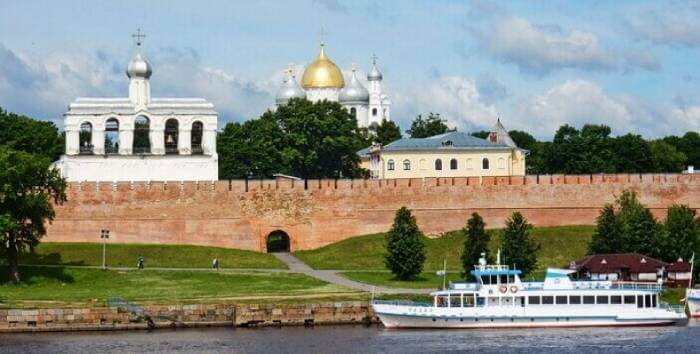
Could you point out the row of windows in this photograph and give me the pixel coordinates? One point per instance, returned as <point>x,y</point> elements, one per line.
<point>455,300</point>
<point>141,141</point>
<point>454,164</point>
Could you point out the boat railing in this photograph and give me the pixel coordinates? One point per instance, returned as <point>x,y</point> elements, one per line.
<point>402,303</point>
<point>672,308</point>
<point>532,285</point>
<point>464,286</point>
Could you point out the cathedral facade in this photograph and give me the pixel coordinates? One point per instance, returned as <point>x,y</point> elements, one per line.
<point>139,137</point>
<point>323,80</point>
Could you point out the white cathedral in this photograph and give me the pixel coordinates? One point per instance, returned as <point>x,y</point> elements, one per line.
<point>323,80</point>
<point>139,137</point>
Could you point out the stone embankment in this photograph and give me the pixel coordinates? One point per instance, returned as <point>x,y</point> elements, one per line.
<point>183,316</point>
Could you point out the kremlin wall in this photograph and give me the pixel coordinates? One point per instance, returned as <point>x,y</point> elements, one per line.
<point>241,214</point>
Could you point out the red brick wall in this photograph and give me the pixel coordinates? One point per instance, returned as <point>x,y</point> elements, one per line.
<point>239,215</point>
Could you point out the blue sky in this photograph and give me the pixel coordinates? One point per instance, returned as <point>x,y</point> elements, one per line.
<point>633,65</point>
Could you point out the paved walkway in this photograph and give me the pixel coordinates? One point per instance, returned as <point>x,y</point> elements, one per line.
<point>332,276</point>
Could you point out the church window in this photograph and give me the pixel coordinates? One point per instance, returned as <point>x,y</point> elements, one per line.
<point>353,111</point>
<point>197,134</point>
<point>171,136</point>
<point>453,164</point>
<point>485,164</point>
<point>501,163</point>
<point>112,136</point>
<point>384,112</point>
<point>85,138</point>
<point>374,112</point>
<point>438,164</point>
<point>142,140</point>
<point>407,165</point>
<point>390,165</point>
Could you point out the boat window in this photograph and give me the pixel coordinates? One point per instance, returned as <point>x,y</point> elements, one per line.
<point>455,301</point>
<point>653,301</point>
<point>629,299</point>
<point>486,279</point>
<point>647,301</point>
<point>504,279</point>
<point>494,279</point>
<point>602,299</point>
<point>589,300</point>
<point>616,299</point>
<point>468,301</point>
<point>640,301</point>
<point>561,300</point>
<point>575,299</point>
<point>521,301</point>
<point>547,300</point>
<point>441,301</point>
<point>511,279</point>
<point>480,301</point>
<point>533,300</point>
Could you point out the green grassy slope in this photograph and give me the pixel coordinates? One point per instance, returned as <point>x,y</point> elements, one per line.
<point>125,255</point>
<point>560,245</point>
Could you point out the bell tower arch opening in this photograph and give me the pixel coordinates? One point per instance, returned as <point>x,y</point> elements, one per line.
<point>277,241</point>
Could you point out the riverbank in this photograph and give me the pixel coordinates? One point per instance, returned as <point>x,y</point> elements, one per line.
<point>130,317</point>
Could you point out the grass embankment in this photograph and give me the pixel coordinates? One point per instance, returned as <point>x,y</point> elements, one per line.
<point>363,257</point>
<point>167,256</point>
<point>58,287</point>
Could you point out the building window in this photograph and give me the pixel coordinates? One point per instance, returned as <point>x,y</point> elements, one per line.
<point>390,165</point>
<point>171,136</point>
<point>501,163</point>
<point>196,138</point>
<point>438,164</point>
<point>112,136</point>
<point>353,111</point>
<point>374,112</point>
<point>407,165</point>
<point>453,164</point>
<point>142,140</point>
<point>85,138</point>
<point>485,164</point>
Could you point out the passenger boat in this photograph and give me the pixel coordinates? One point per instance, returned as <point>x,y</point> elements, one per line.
<point>692,299</point>
<point>499,299</point>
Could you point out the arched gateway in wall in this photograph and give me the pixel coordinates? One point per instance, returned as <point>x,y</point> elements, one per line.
<point>277,241</point>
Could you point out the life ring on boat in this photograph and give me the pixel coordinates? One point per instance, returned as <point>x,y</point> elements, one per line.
<point>513,289</point>
<point>503,289</point>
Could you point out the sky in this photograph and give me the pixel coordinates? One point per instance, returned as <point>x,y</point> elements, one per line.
<point>536,65</point>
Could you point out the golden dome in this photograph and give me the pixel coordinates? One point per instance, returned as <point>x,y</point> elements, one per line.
<point>322,73</point>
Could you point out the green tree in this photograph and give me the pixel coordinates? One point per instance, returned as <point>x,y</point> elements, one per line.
<point>433,125</point>
<point>30,135</point>
<point>689,145</point>
<point>519,248</point>
<point>29,189</point>
<point>404,246</point>
<point>682,231</point>
<point>481,134</point>
<point>386,132</point>
<point>251,149</point>
<point>476,242</point>
<point>641,232</point>
<point>608,237</point>
<point>632,154</point>
<point>666,158</point>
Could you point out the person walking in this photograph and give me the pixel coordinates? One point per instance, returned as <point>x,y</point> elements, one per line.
<point>140,262</point>
<point>215,263</point>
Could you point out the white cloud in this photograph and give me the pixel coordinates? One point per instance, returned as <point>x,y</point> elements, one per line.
<point>672,23</point>
<point>541,49</point>
<point>577,102</point>
<point>456,98</point>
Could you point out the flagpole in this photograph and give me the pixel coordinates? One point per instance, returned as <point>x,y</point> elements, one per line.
<point>692,263</point>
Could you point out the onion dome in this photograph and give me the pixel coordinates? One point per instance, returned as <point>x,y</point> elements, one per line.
<point>139,67</point>
<point>289,89</point>
<point>374,74</point>
<point>354,92</point>
<point>322,73</point>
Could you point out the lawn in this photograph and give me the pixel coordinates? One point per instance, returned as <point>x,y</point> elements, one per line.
<point>54,287</point>
<point>426,280</point>
<point>170,256</point>
<point>560,245</point>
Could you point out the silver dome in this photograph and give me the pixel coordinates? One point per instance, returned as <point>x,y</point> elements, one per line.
<point>139,67</point>
<point>374,74</point>
<point>289,89</point>
<point>353,91</point>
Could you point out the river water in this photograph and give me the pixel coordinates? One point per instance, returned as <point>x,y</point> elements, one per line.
<point>359,339</point>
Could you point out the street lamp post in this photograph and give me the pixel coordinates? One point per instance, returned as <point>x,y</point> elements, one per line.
<point>104,235</point>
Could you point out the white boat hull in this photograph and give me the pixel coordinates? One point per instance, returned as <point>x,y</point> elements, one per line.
<point>693,301</point>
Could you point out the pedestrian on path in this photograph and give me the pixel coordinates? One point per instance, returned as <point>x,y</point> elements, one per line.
<point>215,264</point>
<point>140,262</point>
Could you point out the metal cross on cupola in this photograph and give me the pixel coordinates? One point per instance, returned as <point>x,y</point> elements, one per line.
<point>138,36</point>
